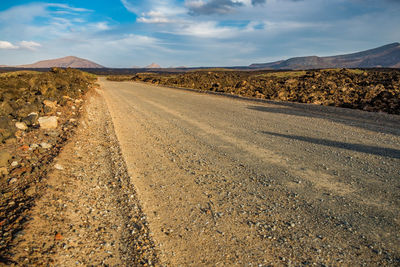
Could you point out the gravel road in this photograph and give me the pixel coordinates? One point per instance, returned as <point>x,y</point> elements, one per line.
<point>227,181</point>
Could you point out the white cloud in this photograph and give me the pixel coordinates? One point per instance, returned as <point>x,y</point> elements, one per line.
<point>154,17</point>
<point>132,40</point>
<point>102,26</point>
<point>130,7</point>
<point>31,45</point>
<point>208,29</point>
<point>67,7</point>
<point>7,45</point>
<point>21,45</point>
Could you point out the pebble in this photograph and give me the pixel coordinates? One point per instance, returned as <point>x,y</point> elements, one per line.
<point>58,167</point>
<point>33,146</point>
<point>14,164</point>
<point>45,145</point>
<point>50,104</point>
<point>48,122</point>
<point>21,126</point>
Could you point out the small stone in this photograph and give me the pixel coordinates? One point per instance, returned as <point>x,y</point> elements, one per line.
<point>58,167</point>
<point>33,146</point>
<point>13,180</point>
<point>50,104</point>
<point>21,125</point>
<point>48,122</point>
<point>58,237</point>
<point>31,119</point>
<point>14,164</point>
<point>45,145</point>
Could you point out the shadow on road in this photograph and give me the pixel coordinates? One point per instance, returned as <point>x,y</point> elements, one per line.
<point>374,150</point>
<point>382,123</point>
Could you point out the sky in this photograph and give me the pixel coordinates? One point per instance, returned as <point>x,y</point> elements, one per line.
<point>127,33</point>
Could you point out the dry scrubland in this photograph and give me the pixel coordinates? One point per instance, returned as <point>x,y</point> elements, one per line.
<point>371,90</point>
<point>38,113</point>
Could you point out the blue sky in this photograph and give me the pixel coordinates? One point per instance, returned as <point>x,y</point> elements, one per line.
<point>126,33</point>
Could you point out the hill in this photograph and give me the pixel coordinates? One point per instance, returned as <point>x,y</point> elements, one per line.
<point>153,66</point>
<point>387,56</point>
<point>65,62</point>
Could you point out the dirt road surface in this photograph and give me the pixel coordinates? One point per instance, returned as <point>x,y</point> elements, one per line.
<point>87,213</point>
<point>233,182</point>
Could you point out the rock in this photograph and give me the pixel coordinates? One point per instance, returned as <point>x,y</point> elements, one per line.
<point>59,167</point>
<point>4,158</point>
<point>14,164</point>
<point>48,122</point>
<point>33,146</point>
<point>58,237</point>
<point>45,145</point>
<point>21,125</point>
<point>31,119</point>
<point>13,180</point>
<point>53,133</point>
<point>50,104</point>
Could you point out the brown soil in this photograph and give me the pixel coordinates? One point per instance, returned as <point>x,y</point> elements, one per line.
<point>27,154</point>
<point>369,90</point>
<point>87,212</point>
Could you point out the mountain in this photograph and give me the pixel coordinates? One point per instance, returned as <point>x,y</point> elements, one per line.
<point>153,66</point>
<point>387,56</point>
<point>64,62</point>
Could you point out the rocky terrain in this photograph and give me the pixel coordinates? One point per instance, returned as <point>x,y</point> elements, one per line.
<point>38,114</point>
<point>370,90</point>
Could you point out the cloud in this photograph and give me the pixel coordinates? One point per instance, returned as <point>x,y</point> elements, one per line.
<point>155,17</point>
<point>67,7</point>
<point>21,45</point>
<point>131,7</point>
<point>208,29</point>
<point>29,45</point>
<point>200,7</point>
<point>204,7</point>
<point>7,45</point>
<point>258,2</point>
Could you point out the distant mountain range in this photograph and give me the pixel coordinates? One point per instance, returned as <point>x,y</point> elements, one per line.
<point>64,62</point>
<point>387,56</point>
